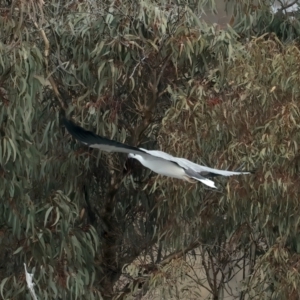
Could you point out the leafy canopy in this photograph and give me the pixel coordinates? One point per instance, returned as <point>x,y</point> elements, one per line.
<point>152,74</point>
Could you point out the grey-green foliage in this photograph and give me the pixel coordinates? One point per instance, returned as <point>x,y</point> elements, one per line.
<point>150,74</point>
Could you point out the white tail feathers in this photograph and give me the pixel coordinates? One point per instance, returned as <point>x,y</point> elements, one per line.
<point>206,181</point>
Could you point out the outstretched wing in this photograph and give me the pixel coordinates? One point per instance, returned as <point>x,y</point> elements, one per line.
<point>210,172</point>
<point>186,164</point>
<point>96,141</point>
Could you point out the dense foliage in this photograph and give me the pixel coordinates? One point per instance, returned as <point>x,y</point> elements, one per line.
<point>92,225</point>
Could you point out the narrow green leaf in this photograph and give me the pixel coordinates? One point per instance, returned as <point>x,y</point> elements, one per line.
<point>57,217</point>
<point>2,286</point>
<point>14,148</point>
<point>18,250</point>
<point>47,215</point>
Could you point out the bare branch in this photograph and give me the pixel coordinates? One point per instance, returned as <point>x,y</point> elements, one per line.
<point>137,66</point>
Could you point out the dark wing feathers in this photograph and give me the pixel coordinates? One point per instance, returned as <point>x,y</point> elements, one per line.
<point>206,174</point>
<point>95,141</point>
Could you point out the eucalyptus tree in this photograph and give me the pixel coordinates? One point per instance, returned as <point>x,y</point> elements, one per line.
<point>92,225</point>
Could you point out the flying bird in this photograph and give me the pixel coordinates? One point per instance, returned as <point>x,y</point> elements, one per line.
<point>157,161</point>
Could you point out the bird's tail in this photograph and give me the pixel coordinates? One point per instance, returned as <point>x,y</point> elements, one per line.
<point>207,182</point>
<point>193,175</point>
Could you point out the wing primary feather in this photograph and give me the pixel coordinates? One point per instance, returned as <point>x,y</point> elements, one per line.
<point>95,141</point>
<point>216,173</point>
<point>212,174</point>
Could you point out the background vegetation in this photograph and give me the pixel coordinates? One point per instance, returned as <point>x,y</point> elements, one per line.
<point>160,75</point>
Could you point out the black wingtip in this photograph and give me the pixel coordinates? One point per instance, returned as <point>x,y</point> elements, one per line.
<point>70,126</point>
<point>68,123</point>
<point>91,139</point>
<point>78,132</point>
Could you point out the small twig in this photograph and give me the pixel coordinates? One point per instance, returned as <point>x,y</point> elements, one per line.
<point>137,66</point>
<point>282,9</point>
<point>285,6</point>
<point>180,253</point>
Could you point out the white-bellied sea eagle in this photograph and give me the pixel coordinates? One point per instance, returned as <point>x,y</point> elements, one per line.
<point>157,161</point>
